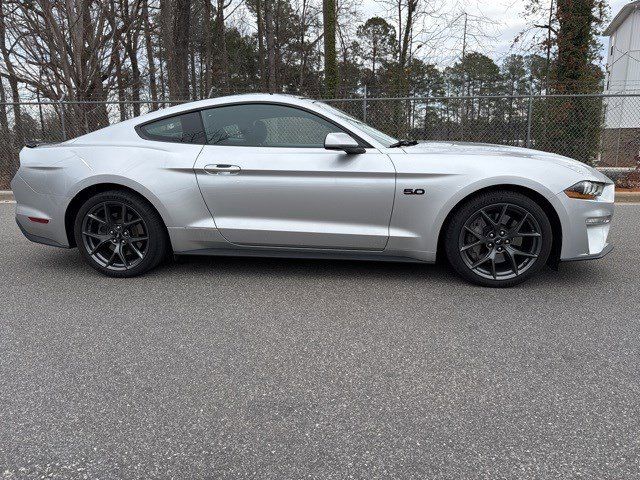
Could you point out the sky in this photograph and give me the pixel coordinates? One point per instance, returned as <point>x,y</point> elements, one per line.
<point>497,39</point>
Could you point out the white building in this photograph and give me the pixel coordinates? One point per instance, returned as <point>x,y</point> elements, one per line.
<point>623,54</point>
<point>622,114</point>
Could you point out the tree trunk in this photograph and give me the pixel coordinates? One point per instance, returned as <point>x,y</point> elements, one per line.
<point>131,49</point>
<point>271,51</point>
<point>40,112</point>
<point>163,83</point>
<point>547,68</point>
<point>120,86</point>
<point>194,83</point>
<point>330,63</point>
<point>403,84</point>
<point>201,91</point>
<point>574,41</point>
<point>13,84</point>
<point>5,157</point>
<point>572,132</point>
<point>208,48</point>
<point>277,45</point>
<point>176,16</point>
<point>303,50</point>
<point>4,122</point>
<point>153,87</point>
<point>223,60</point>
<point>261,53</point>
<point>135,75</point>
<point>118,64</point>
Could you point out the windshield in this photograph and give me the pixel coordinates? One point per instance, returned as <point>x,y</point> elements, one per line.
<point>383,138</point>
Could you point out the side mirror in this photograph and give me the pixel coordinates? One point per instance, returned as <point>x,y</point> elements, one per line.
<point>342,141</point>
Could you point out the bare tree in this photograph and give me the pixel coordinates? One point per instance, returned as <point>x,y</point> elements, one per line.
<point>151,64</point>
<point>261,49</point>
<point>132,18</point>
<point>67,49</point>
<point>176,21</point>
<point>223,59</point>
<point>4,122</point>
<point>208,47</point>
<point>120,86</point>
<point>269,13</point>
<point>12,77</point>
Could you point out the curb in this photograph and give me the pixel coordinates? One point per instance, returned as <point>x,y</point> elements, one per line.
<point>621,197</point>
<point>6,196</point>
<point>627,197</point>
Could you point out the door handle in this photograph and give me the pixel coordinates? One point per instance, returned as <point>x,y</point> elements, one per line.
<point>222,169</point>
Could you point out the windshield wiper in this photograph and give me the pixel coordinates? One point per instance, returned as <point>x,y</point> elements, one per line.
<point>403,143</point>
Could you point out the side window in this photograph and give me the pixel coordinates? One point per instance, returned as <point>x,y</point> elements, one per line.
<point>264,125</point>
<point>185,128</point>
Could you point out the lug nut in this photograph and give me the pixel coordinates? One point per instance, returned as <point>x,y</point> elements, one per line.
<point>490,245</point>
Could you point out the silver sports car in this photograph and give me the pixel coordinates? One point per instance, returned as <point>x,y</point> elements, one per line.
<point>276,175</point>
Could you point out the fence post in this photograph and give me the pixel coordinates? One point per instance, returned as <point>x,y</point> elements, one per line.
<point>364,105</point>
<point>62,122</point>
<point>529,112</point>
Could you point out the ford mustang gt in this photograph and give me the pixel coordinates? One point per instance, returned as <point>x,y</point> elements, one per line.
<point>276,175</point>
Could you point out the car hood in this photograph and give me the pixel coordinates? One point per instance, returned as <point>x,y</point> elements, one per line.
<point>471,149</point>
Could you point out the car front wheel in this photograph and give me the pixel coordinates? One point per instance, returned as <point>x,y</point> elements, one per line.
<point>498,239</point>
<point>120,234</point>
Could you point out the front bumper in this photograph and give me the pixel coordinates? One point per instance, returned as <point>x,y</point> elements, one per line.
<point>585,228</point>
<point>30,203</point>
<point>606,250</point>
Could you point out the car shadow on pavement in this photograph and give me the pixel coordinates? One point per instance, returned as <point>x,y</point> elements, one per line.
<point>69,262</point>
<point>307,267</point>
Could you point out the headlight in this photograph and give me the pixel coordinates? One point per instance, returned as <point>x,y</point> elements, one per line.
<point>585,190</point>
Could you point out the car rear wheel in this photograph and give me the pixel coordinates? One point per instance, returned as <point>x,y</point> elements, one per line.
<point>499,239</point>
<point>120,234</point>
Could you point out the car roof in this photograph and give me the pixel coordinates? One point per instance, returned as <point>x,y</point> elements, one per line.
<point>240,98</point>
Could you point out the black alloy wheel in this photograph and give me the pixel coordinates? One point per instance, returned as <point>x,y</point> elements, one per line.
<point>499,239</point>
<point>115,235</point>
<point>120,234</point>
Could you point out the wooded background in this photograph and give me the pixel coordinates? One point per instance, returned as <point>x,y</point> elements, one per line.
<point>133,51</point>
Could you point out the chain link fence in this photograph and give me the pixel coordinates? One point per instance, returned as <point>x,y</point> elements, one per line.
<point>599,129</point>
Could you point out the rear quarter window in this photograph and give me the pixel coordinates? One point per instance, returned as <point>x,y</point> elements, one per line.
<point>185,128</point>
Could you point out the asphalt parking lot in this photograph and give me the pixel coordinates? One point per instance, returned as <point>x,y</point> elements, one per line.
<point>251,368</point>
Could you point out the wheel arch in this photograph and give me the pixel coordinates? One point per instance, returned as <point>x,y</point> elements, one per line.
<point>89,191</point>
<point>540,199</point>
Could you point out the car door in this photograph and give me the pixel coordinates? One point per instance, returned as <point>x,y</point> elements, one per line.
<point>268,181</point>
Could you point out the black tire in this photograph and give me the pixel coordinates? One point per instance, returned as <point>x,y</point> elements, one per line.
<point>498,239</point>
<point>138,241</point>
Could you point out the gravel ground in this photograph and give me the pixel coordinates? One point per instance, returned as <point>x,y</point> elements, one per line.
<point>250,368</point>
